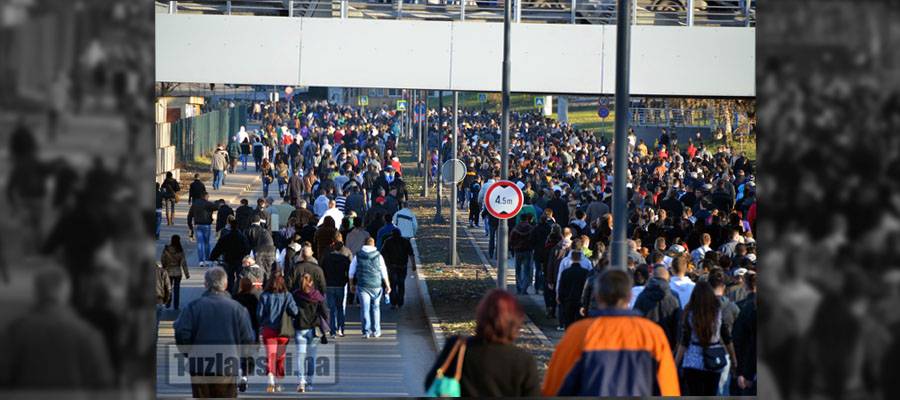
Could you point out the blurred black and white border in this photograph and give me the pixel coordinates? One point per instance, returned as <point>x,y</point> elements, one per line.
<point>76,221</point>
<point>828,79</point>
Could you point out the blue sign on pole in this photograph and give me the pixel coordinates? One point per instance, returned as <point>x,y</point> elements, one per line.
<point>482,97</point>
<point>420,108</point>
<point>603,112</point>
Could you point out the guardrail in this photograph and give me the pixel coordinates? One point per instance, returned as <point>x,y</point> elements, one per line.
<point>644,12</point>
<point>673,117</point>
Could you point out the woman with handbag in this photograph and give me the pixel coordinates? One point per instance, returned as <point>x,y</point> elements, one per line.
<point>487,364</point>
<point>174,261</point>
<point>312,315</point>
<point>275,312</point>
<point>705,343</point>
<point>170,189</point>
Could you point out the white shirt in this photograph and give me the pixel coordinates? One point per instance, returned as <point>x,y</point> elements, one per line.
<point>408,224</point>
<point>379,261</point>
<point>683,287</point>
<point>334,213</point>
<point>321,205</point>
<point>635,292</point>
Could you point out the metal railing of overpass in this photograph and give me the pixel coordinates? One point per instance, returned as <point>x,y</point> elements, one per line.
<point>644,12</point>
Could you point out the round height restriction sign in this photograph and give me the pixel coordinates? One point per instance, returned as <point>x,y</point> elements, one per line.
<point>503,199</point>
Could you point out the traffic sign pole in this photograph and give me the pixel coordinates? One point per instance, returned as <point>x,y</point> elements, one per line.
<point>439,217</point>
<point>620,167</point>
<point>504,143</point>
<point>453,189</point>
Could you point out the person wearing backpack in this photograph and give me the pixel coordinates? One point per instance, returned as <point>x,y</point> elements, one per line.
<point>311,314</point>
<point>657,303</point>
<point>487,364</point>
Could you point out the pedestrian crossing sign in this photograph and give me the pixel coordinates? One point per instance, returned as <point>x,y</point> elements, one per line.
<point>363,100</point>
<point>401,105</point>
<point>538,101</point>
<point>482,97</point>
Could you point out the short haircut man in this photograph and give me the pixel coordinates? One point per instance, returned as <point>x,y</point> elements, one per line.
<point>215,279</point>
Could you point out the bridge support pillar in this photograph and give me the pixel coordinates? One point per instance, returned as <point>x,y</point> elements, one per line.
<point>548,106</point>
<point>562,109</point>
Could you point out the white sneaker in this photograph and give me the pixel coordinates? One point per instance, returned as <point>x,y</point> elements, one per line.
<point>378,335</point>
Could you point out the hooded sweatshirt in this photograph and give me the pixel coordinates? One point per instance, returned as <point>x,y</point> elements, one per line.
<point>658,304</point>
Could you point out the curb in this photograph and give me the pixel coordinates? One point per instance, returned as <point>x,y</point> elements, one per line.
<point>529,324</point>
<point>436,334</point>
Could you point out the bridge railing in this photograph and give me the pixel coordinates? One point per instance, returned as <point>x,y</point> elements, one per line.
<point>673,117</point>
<point>644,12</point>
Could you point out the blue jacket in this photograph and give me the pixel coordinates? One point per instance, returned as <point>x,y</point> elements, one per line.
<point>272,306</point>
<point>383,233</point>
<point>213,319</point>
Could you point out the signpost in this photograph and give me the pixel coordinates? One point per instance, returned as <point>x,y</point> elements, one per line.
<point>401,105</point>
<point>538,102</point>
<point>453,171</point>
<point>603,110</point>
<point>503,200</point>
<point>482,97</point>
<point>363,101</point>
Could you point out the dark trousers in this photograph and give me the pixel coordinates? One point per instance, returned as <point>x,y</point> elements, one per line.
<point>569,312</point>
<point>397,276</point>
<point>474,212</point>
<point>225,387</point>
<point>549,297</point>
<point>176,291</point>
<point>700,383</point>
<point>232,272</point>
<point>492,244</point>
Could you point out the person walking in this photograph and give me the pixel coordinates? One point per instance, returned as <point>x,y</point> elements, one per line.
<point>218,165</point>
<point>267,175</point>
<point>307,264</point>
<point>554,259</point>
<point>262,244</point>
<point>196,190</point>
<point>336,266</point>
<point>275,304</point>
<point>175,264</point>
<point>520,242</point>
<point>705,343</point>
<point>170,189</point>
<point>246,150</point>
<point>231,247</point>
<point>603,356</point>
<point>248,296</point>
<point>326,235</point>
<point>539,252</point>
<point>657,303</point>
<point>356,239</point>
<point>680,284</point>
<point>213,319</point>
<point>398,255</point>
<point>573,272</point>
<point>199,221</point>
<point>311,314</point>
<point>489,364</point>
<point>405,220</point>
<point>163,291</point>
<point>368,275</point>
<point>234,152</point>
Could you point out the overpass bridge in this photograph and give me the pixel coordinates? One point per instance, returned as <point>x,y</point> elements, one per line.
<point>703,49</point>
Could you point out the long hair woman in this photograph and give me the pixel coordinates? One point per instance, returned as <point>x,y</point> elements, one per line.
<point>274,303</point>
<point>311,305</point>
<point>704,341</point>
<point>492,366</point>
<point>173,260</point>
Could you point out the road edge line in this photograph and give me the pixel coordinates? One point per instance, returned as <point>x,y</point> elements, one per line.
<point>437,335</point>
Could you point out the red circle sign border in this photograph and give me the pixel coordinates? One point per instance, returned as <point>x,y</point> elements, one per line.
<point>487,203</point>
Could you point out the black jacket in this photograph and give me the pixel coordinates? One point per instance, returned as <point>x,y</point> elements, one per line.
<point>222,216</point>
<point>538,239</point>
<point>571,283</point>
<point>260,238</point>
<point>491,370</point>
<point>744,334</point>
<point>196,190</point>
<point>201,213</point>
<point>336,266</point>
<point>242,216</point>
<point>658,304</point>
<point>312,268</point>
<point>233,246</point>
<point>396,251</point>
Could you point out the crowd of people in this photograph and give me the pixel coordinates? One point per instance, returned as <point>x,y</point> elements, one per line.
<point>691,262</point>
<point>691,251</point>
<point>340,224</point>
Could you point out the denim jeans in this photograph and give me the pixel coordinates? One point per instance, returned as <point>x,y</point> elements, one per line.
<point>176,291</point>
<point>523,270</point>
<point>159,213</point>
<point>265,190</point>
<point>202,233</point>
<point>306,354</point>
<point>724,380</point>
<point>492,243</point>
<point>370,308</point>
<point>244,161</point>
<point>538,275</point>
<point>334,297</point>
<point>218,176</point>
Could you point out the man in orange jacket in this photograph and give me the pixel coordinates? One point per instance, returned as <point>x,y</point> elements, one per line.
<point>615,353</point>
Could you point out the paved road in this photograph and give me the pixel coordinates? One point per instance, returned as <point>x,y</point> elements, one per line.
<point>393,365</point>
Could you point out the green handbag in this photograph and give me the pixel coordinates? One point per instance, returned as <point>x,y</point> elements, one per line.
<point>442,385</point>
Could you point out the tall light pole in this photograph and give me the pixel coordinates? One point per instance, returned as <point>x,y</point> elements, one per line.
<point>439,216</point>
<point>620,161</point>
<point>502,232</point>
<point>453,190</point>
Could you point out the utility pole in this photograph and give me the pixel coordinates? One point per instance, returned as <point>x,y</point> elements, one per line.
<point>453,190</point>
<point>502,232</point>
<point>423,133</point>
<point>620,161</point>
<point>439,217</point>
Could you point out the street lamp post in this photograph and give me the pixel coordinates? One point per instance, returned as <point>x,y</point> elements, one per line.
<point>620,162</point>
<point>453,190</point>
<point>439,216</point>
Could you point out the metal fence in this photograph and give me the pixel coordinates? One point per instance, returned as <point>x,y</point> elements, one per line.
<point>644,12</point>
<point>197,137</point>
<point>673,117</point>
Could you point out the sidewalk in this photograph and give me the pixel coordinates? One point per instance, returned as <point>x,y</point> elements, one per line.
<point>390,366</point>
